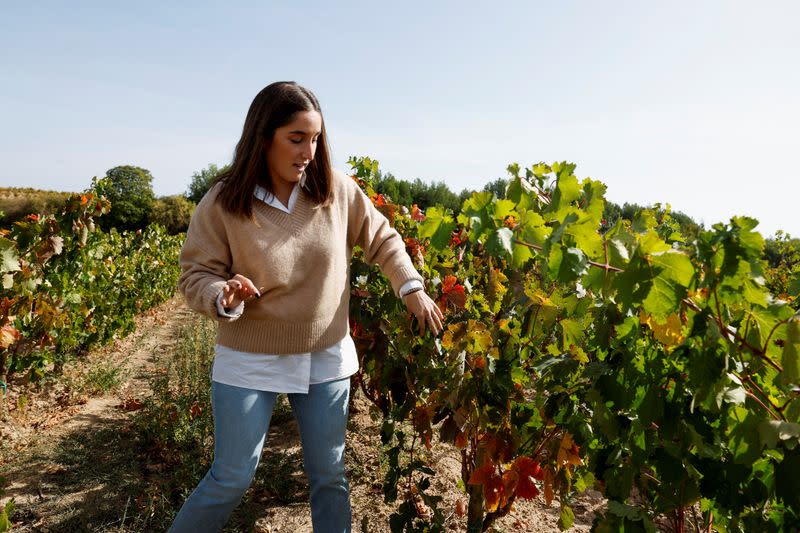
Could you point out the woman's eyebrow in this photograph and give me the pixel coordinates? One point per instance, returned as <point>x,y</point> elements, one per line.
<point>301,132</point>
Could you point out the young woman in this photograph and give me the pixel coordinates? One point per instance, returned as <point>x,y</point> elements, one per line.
<point>267,255</point>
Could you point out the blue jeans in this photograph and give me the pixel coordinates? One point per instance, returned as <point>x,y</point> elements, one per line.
<point>241,421</point>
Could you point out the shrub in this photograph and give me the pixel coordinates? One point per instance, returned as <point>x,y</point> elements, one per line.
<point>172,212</point>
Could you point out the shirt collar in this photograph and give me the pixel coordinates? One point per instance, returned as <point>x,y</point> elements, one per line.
<point>268,198</point>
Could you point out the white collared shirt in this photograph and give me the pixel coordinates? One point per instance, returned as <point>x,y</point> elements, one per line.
<point>285,373</point>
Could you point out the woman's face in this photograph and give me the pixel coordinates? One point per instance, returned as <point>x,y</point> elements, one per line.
<point>292,148</point>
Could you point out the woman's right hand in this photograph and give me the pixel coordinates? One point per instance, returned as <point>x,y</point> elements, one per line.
<point>238,289</point>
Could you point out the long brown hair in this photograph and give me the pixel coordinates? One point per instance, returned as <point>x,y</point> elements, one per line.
<point>273,107</point>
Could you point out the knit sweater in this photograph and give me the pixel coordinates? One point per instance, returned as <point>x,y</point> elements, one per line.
<point>302,261</point>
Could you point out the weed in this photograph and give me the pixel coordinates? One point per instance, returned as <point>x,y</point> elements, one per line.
<point>282,412</point>
<point>103,377</point>
<point>176,424</point>
<point>281,475</point>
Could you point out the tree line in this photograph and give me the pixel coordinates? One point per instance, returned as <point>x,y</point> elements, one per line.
<point>135,206</point>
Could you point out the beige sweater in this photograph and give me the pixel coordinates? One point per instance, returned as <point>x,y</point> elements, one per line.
<point>302,260</point>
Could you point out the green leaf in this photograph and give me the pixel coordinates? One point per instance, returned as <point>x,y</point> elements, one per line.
<point>8,281</point>
<point>643,221</point>
<point>567,265</point>
<point>520,255</point>
<point>674,274</point>
<point>533,229</point>
<point>5,515</point>
<point>625,511</point>
<point>663,298</point>
<point>584,482</point>
<point>566,517</point>
<point>652,407</point>
<point>519,189</point>
<point>475,214</point>
<point>618,252</point>
<point>627,327</point>
<point>650,243</point>
<point>772,431</point>
<point>794,286</point>
<point>499,242</point>
<point>502,209</point>
<point>744,443</point>
<point>541,169</point>
<point>584,232</point>
<point>787,481</point>
<point>567,190</point>
<point>676,266</point>
<point>572,331</point>
<point>790,360</point>
<point>9,260</point>
<point>438,226</point>
<point>733,394</point>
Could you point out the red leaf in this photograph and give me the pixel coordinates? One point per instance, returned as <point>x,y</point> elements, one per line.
<point>461,507</point>
<point>493,492</point>
<point>416,213</point>
<point>131,404</point>
<point>454,291</point>
<point>528,471</point>
<point>448,283</point>
<point>482,474</point>
<point>379,200</point>
<point>529,467</point>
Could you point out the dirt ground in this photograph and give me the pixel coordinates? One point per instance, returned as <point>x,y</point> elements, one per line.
<point>70,463</point>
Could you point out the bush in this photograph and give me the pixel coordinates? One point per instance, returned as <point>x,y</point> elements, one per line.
<point>172,212</point>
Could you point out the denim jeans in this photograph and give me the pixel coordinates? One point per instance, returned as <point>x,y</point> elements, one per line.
<point>241,421</point>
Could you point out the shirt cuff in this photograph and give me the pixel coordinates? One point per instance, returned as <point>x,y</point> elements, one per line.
<point>410,284</point>
<point>232,313</point>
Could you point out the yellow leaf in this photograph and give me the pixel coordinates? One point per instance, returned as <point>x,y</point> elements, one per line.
<point>480,336</point>
<point>453,335</point>
<point>667,333</point>
<point>568,452</point>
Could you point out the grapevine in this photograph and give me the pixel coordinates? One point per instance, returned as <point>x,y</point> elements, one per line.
<point>656,369</point>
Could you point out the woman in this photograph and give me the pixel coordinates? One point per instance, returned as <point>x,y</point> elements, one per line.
<point>267,255</point>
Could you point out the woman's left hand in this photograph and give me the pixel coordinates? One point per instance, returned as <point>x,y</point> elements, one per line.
<point>426,311</point>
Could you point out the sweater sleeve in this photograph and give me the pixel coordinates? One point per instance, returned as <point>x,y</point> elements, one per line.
<point>382,244</point>
<point>205,260</point>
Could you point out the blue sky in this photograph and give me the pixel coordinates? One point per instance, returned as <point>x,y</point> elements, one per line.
<point>689,103</point>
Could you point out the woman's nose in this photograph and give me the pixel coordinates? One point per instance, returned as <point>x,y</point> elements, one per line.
<point>308,151</point>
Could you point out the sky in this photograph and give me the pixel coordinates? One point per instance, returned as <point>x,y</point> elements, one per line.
<point>694,104</point>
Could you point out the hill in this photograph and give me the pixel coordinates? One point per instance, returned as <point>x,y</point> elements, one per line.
<point>17,202</point>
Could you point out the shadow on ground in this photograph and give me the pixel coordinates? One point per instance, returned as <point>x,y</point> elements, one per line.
<point>101,477</point>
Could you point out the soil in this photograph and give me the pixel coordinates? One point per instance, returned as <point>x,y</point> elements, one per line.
<point>70,464</point>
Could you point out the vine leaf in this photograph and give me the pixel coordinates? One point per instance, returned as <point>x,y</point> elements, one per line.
<point>566,518</point>
<point>493,487</point>
<point>790,360</point>
<point>438,226</point>
<point>568,452</point>
<point>8,336</point>
<point>9,260</point>
<point>499,242</point>
<point>527,470</point>
<point>667,332</point>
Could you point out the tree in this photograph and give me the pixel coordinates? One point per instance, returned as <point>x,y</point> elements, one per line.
<point>202,181</point>
<point>498,187</point>
<point>172,212</point>
<point>130,190</point>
